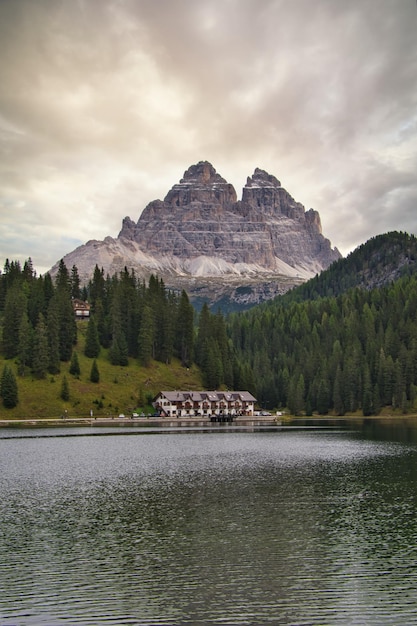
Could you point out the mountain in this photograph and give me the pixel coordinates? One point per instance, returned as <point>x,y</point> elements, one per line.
<point>380,261</point>
<point>203,239</point>
<point>343,342</point>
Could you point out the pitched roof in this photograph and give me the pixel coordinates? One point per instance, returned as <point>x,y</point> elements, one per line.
<point>211,396</point>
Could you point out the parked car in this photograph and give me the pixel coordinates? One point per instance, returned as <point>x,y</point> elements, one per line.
<point>122,415</point>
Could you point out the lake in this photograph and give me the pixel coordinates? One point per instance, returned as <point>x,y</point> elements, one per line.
<point>238,528</point>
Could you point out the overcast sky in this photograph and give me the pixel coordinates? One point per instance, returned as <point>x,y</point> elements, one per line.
<point>105,103</point>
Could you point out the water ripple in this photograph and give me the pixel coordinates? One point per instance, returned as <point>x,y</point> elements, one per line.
<point>208,529</point>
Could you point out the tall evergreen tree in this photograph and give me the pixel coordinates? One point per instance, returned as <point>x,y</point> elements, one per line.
<point>48,289</point>
<point>94,373</point>
<point>74,368</point>
<point>52,326</point>
<point>75,283</point>
<point>296,394</point>
<point>67,324</point>
<point>63,282</point>
<point>40,359</point>
<point>8,388</point>
<point>118,354</point>
<point>102,322</point>
<point>92,343</point>
<point>203,334</point>
<point>338,393</point>
<point>64,394</point>
<point>367,407</point>
<point>25,345</point>
<point>323,396</point>
<point>97,291</point>
<point>146,336</point>
<point>118,351</point>
<point>36,300</point>
<point>15,306</point>
<point>185,330</point>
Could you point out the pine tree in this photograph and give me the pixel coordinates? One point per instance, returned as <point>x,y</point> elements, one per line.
<point>323,395</point>
<point>102,324</point>
<point>48,289</point>
<point>40,360</point>
<point>94,374</point>
<point>185,330</point>
<point>367,408</point>
<point>146,336</point>
<point>63,282</point>
<point>25,345</point>
<point>296,394</point>
<point>65,311</point>
<point>52,326</point>
<point>97,287</point>
<point>65,394</point>
<point>118,351</point>
<point>36,300</point>
<point>204,333</point>
<point>74,368</point>
<point>376,400</point>
<point>28,273</point>
<point>92,343</point>
<point>211,367</point>
<point>67,325</point>
<point>338,393</point>
<point>15,306</point>
<point>8,388</point>
<point>75,283</point>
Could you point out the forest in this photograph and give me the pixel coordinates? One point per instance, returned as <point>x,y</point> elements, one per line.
<point>345,341</point>
<point>333,345</point>
<point>129,320</point>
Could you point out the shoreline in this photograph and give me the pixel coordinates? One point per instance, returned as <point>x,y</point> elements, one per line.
<point>193,422</point>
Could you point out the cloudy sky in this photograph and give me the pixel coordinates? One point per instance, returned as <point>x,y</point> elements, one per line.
<point>105,103</point>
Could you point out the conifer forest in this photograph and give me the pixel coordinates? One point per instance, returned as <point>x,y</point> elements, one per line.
<point>319,349</point>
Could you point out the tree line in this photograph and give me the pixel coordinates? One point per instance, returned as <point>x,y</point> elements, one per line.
<point>356,351</point>
<point>128,318</point>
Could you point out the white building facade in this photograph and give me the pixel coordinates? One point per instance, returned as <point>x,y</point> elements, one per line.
<point>204,403</point>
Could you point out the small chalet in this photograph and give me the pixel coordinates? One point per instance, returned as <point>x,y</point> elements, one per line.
<point>204,403</point>
<point>81,308</point>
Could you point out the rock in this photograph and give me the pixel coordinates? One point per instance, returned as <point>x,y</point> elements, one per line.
<point>201,238</point>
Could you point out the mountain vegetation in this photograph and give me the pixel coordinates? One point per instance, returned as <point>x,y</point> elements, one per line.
<point>342,343</point>
<point>345,341</point>
<point>381,260</point>
<point>132,327</point>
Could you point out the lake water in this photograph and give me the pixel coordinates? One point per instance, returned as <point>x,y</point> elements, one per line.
<point>228,528</point>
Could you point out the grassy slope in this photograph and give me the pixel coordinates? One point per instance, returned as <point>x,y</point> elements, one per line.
<point>119,388</point>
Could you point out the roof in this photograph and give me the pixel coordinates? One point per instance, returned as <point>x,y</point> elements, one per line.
<point>80,304</point>
<point>210,396</point>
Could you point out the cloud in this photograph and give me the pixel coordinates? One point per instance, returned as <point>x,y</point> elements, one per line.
<point>105,103</point>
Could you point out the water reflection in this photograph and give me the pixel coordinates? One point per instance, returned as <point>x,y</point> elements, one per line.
<point>294,528</point>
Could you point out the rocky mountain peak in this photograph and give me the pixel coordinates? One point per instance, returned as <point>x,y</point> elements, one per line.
<point>261,178</point>
<point>202,239</point>
<point>263,193</point>
<point>201,173</point>
<point>201,183</point>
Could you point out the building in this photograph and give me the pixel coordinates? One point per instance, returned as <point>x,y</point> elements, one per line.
<point>81,309</point>
<point>204,403</point>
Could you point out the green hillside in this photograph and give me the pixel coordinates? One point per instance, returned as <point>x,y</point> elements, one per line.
<point>378,262</point>
<point>120,390</point>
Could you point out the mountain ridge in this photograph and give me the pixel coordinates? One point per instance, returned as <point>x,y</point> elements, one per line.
<point>381,260</point>
<point>202,238</point>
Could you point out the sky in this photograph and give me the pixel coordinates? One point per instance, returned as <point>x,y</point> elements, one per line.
<point>105,103</point>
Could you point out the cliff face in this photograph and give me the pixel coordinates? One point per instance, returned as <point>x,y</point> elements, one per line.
<point>200,232</point>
